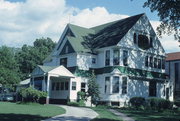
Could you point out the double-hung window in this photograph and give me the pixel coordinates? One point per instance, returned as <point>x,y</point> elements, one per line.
<point>107,58</point>
<point>125,57</point>
<point>115,84</point>
<point>116,57</point>
<point>124,85</point>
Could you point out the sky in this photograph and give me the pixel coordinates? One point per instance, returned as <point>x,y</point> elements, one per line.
<point>23,21</point>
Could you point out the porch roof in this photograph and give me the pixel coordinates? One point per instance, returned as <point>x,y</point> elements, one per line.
<point>54,70</point>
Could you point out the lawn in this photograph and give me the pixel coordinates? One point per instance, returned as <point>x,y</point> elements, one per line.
<point>147,115</point>
<point>105,115</point>
<point>27,112</point>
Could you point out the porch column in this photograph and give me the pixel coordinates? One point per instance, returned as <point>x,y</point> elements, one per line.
<point>48,89</point>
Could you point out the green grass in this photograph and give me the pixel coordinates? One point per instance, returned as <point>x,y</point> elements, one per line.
<point>150,115</point>
<point>27,112</point>
<point>105,115</point>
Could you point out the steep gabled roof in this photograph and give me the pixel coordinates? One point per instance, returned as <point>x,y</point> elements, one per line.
<point>105,35</point>
<point>173,56</point>
<point>112,33</point>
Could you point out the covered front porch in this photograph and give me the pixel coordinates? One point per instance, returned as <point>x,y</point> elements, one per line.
<point>57,81</point>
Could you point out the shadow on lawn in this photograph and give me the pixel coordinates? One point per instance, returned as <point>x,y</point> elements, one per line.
<point>20,117</point>
<point>104,119</point>
<point>150,116</point>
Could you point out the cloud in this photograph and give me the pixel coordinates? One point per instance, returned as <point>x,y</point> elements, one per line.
<point>168,42</point>
<point>23,22</point>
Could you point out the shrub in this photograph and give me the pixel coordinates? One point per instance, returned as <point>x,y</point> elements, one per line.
<point>78,104</point>
<point>177,103</point>
<point>73,103</point>
<point>158,104</point>
<point>137,102</point>
<point>32,95</point>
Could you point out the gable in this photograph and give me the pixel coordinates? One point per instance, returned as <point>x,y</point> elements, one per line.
<point>142,28</point>
<point>69,33</point>
<point>67,48</point>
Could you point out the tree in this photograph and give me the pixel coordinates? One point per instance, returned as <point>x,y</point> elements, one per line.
<point>31,56</point>
<point>169,13</point>
<point>9,71</point>
<point>93,89</point>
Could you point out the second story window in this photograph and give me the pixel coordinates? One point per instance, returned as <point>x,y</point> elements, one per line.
<point>151,42</point>
<point>63,61</point>
<point>163,64</point>
<point>125,57</point>
<point>135,38</point>
<point>155,63</point>
<point>159,63</point>
<point>116,57</point>
<point>107,58</point>
<point>151,62</point>
<point>146,61</point>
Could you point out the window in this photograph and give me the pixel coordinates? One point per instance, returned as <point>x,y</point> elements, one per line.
<point>176,76</point>
<point>159,63</point>
<point>151,42</point>
<point>116,57</point>
<point>125,57</point>
<point>155,63</point>
<point>164,90</point>
<point>73,85</point>
<point>143,42</point>
<point>146,61</point>
<point>135,38</point>
<point>63,61</point>
<point>62,85</point>
<point>107,85</point>
<point>124,85</point>
<point>66,85</point>
<point>83,87</point>
<point>152,88</point>
<point>66,49</point>
<point>53,86</point>
<point>115,84</point>
<point>151,61</point>
<point>107,60</point>
<point>93,60</point>
<point>57,86</point>
<point>163,64</point>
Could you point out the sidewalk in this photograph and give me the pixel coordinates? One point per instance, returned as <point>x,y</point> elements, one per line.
<point>122,115</point>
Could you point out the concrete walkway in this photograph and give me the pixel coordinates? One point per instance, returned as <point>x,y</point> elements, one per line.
<point>122,115</point>
<point>74,114</point>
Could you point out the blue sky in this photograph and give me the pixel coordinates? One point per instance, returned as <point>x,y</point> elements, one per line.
<point>25,20</point>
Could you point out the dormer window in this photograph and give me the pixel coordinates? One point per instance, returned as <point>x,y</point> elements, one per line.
<point>66,49</point>
<point>135,38</point>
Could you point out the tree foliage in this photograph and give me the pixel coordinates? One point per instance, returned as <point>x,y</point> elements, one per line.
<point>93,89</point>
<point>31,56</point>
<point>9,71</point>
<point>169,13</point>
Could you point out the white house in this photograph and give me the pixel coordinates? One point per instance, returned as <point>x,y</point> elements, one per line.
<point>173,70</point>
<point>128,60</point>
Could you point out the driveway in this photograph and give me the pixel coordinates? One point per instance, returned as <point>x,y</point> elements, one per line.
<point>74,114</point>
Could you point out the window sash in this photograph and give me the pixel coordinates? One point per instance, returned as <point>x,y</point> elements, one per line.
<point>116,57</point>
<point>73,85</point>
<point>124,85</point>
<point>107,58</point>
<point>125,57</point>
<point>115,84</point>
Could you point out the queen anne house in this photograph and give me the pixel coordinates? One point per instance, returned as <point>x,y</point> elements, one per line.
<point>126,56</point>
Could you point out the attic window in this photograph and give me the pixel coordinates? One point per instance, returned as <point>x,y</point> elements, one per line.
<point>135,38</point>
<point>66,49</point>
<point>143,42</point>
<point>151,42</point>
